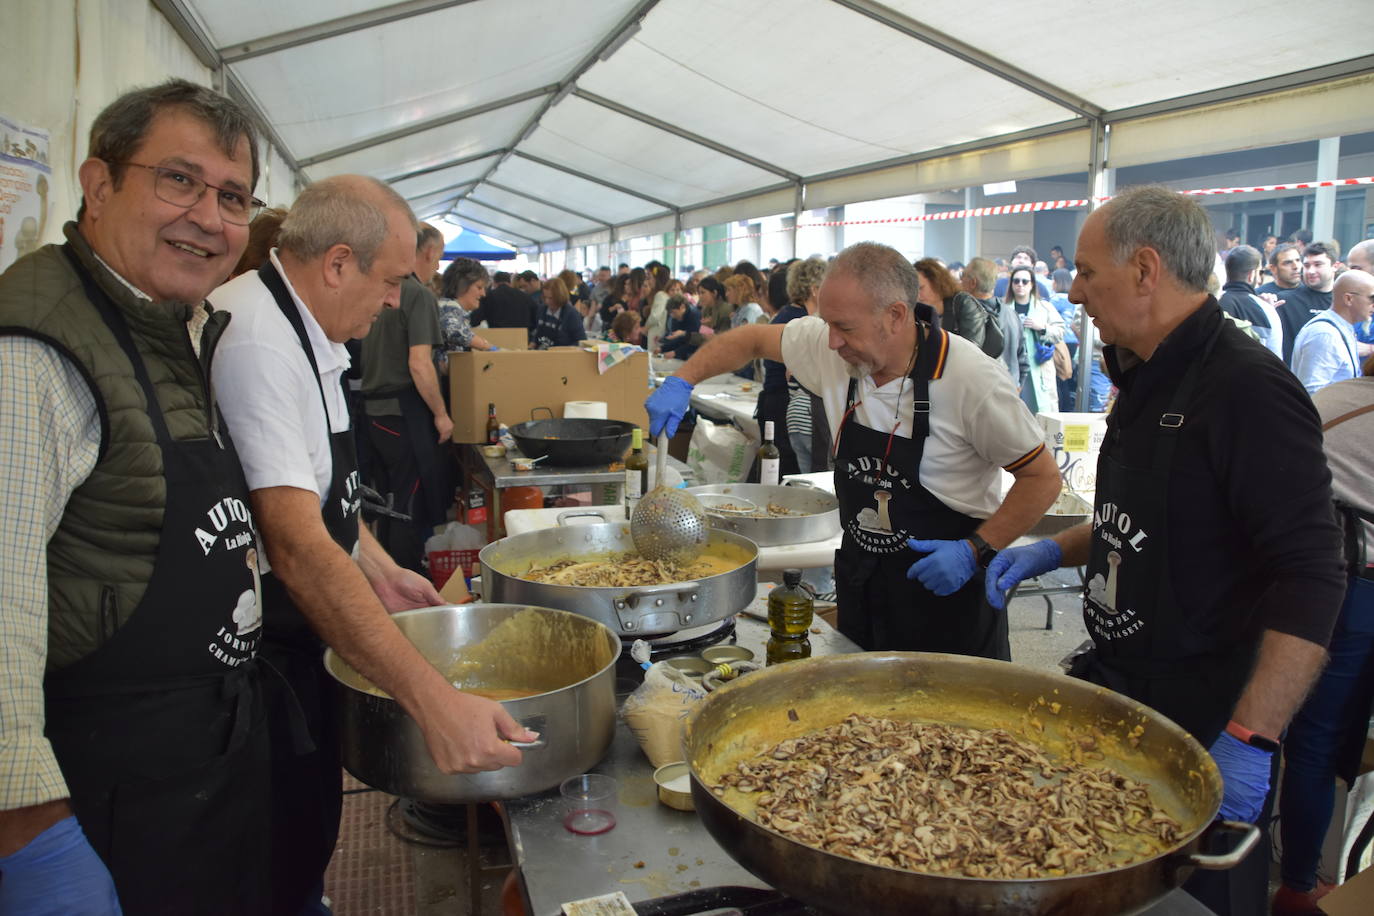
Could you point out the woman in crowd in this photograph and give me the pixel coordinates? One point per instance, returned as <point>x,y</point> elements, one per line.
<point>636,288</point>
<point>577,290</point>
<point>558,323</point>
<point>744,296</point>
<point>262,238</point>
<point>715,306</point>
<point>957,311</point>
<point>1043,328</point>
<point>684,325</point>
<point>773,399</point>
<point>625,328</point>
<point>461,288</point>
<point>656,318</point>
<point>1061,280</point>
<point>614,303</point>
<point>803,408</point>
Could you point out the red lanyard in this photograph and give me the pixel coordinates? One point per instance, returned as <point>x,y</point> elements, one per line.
<point>896,422</point>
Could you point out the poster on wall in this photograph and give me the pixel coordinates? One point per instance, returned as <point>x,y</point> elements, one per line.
<point>24,179</point>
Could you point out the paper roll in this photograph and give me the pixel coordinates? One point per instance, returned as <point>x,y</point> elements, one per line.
<point>594,410</point>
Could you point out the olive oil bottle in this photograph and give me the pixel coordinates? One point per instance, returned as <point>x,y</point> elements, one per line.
<point>789,618</point>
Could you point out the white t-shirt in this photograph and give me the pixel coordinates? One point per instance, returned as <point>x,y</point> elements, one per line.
<point>978,424</point>
<point>269,395</point>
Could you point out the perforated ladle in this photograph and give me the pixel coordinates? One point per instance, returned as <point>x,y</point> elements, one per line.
<point>668,524</point>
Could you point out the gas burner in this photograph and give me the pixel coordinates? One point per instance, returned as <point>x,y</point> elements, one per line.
<point>690,639</point>
<point>724,901</point>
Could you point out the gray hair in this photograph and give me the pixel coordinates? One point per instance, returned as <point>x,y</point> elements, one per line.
<point>119,130</point>
<point>427,235</point>
<point>1174,225</point>
<point>345,209</point>
<point>883,274</point>
<point>982,274</point>
<point>804,278</point>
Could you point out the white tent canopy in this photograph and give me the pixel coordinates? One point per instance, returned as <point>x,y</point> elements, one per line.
<point>549,122</point>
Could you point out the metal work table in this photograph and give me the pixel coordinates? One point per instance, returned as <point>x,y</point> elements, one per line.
<point>721,398</point>
<point>495,474</point>
<point>655,851</point>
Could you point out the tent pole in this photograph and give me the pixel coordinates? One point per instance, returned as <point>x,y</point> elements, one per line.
<point>799,202</point>
<point>1098,181</point>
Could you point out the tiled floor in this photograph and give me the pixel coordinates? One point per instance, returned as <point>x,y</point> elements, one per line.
<point>376,873</point>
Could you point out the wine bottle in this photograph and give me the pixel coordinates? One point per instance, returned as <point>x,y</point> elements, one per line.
<point>493,425</point>
<point>769,457</point>
<point>636,471</point>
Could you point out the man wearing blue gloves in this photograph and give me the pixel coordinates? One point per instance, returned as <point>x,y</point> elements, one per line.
<point>922,423</point>
<point>1204,603</point>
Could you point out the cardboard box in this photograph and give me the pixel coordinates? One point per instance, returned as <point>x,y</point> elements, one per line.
<point>1074,439</point>
<point>506,338</point>
<point>1351,898</point>
<point>517,381</point>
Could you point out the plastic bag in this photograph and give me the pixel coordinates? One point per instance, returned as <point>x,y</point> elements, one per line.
<point>654,712</point>
<point>720,454</point>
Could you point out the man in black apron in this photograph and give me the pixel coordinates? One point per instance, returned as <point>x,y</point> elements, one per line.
<point>1204,602</point>
<point>152,701</point>
<point>330,582</point>
<point>922,423</point>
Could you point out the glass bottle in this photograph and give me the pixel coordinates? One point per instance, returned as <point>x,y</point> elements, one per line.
<point>493,425</point>
<point>636,471</point>
<point>769,457</point>
<point>789,619</point>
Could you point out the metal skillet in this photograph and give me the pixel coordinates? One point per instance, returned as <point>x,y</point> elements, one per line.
<point>755,712</point>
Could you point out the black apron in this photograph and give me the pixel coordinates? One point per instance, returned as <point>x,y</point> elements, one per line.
<point>1143,644</point>
<point>879,608</point>
<point>307,785</point>
<point>160,732</point>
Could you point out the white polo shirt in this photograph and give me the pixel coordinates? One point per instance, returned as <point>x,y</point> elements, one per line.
<point>978,424</point>
<point>267,392</point>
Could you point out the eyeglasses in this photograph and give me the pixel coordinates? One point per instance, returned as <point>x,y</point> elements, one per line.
<point>182,190</point>
<point>1023,281</point>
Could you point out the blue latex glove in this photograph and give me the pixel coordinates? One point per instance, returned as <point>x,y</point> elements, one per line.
<point>1044,352</point>
<point>668,405</point>
<point>492,349</point>
<point>1244,776</point>
<point>946,566</point>
<point>1015,564</point>
<point>57,873</point>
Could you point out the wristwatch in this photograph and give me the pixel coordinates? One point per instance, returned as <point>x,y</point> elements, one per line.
<point>982,550</point>
<point>1245,736</point>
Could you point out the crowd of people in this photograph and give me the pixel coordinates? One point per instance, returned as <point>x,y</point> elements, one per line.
<point>186,461</point>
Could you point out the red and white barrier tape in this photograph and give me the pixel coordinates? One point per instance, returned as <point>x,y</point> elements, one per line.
<point>1035,207</point>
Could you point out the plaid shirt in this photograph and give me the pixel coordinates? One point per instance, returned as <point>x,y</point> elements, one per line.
<point>49,443</point>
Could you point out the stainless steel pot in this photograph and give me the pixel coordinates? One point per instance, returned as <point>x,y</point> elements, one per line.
<point>819,521</point>
<point>754,712</point>
<point>645,610</point>
<point>569,659</point>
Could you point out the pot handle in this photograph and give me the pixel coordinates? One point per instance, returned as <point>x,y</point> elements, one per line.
<point>534,724</point>
<point>580,513</point>
<point>1250,836</point>
<point>547,410</point>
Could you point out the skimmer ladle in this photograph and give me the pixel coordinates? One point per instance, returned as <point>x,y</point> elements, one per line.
<point>668,524</point>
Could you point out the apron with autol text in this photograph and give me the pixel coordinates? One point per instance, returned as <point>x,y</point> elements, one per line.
<point>307,788</point>
<point>882,504</point>
<point>160,732</point>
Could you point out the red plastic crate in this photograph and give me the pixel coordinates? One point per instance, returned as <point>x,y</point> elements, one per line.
<point>443,563</point>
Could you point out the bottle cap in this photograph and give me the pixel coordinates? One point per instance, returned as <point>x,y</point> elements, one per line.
<point>637,438</point>
<point>768,429</point>
<point>791,577</point>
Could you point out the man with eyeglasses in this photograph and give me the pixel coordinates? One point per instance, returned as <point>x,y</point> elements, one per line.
<point>133,737</point>
<point>1326,350</point>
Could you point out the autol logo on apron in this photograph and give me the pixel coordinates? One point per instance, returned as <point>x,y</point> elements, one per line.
<point>1117,540</point>
<point>228,529</point>
<point>351,502</point>
<point>871,527</point>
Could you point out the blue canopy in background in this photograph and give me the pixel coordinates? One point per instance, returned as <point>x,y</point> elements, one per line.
<point>468,244</point>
